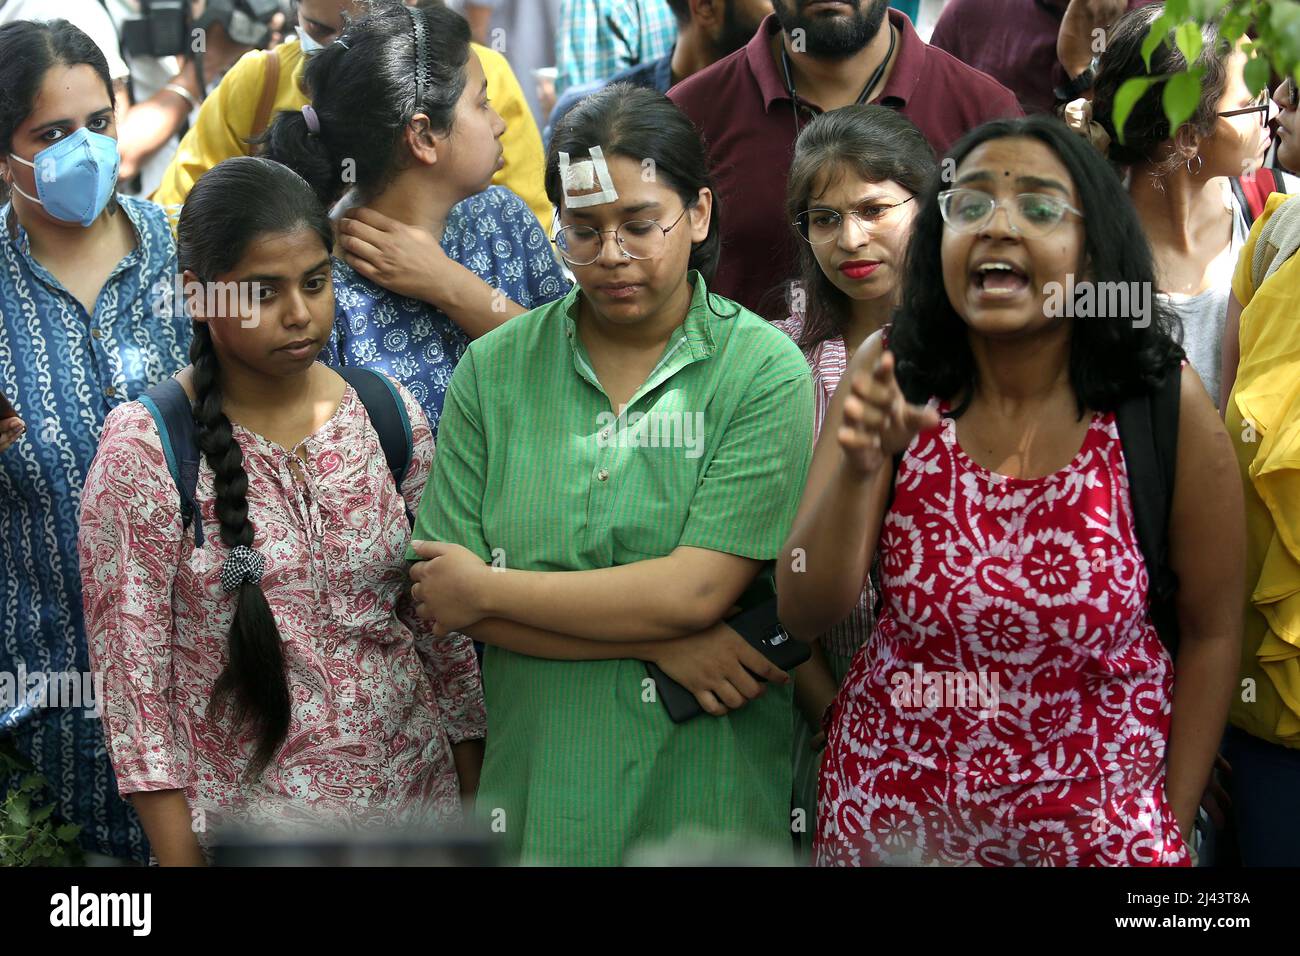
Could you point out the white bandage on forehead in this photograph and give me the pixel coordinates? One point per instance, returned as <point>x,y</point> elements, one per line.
<point>581,178</point>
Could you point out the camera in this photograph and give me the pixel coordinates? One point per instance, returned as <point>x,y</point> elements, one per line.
<point>166,27</point>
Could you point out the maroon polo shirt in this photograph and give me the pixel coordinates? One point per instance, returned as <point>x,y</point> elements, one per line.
<point>744,111</point>
<point>1013,41</point>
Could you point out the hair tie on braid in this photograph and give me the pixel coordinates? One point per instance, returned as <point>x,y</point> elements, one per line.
<point>242,564</point>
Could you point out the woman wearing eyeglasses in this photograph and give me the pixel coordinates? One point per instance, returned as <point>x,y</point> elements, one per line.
<point>1015,704</point>
<point>853,181</point>
<point>628,459</point>
<point>1182,181</point>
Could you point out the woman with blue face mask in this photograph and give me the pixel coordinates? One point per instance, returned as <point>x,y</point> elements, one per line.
<point>87,322</point>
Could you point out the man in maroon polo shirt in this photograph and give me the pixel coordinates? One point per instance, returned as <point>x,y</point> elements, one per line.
<point>831,54</point>
<point>1034,47</point>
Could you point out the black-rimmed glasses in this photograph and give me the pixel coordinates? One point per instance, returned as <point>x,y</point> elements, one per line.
<point>1262,105</point>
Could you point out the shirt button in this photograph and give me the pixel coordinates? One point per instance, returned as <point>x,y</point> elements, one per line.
<point>605,433</point>
<point>111,392</point>
<point>96,334</point>
<point>602,474</point>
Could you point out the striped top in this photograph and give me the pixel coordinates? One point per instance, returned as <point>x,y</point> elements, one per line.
<point>534,469</point>
<point>828,360</point>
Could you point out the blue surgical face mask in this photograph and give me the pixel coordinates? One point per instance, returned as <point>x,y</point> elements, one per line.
<point>308,44</point>
<point>74,176</point>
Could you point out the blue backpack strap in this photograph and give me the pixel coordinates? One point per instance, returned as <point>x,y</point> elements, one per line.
<point>387,414</point>
<point>173,414</point>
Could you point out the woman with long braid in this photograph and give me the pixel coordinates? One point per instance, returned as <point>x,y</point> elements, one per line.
<point>275,673</point>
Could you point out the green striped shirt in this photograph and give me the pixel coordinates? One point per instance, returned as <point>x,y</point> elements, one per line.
<point>533,470</point>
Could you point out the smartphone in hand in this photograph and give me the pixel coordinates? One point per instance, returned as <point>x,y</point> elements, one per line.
<point>6,408</point>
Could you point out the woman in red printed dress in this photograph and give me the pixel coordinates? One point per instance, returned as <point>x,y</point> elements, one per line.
<point>1015,704</point>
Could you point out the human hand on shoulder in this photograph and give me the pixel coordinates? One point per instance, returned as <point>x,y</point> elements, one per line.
<point>402,258</point>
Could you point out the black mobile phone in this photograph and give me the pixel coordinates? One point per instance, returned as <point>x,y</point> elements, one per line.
<point>6,408</point>
<point>759,626</point>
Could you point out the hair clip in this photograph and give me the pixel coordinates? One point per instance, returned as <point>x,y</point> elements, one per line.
<point>313,121</point>
<point>421,53</point>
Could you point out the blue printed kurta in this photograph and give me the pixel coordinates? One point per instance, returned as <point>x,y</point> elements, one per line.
<point>494,235</point>
<point>64,371</point>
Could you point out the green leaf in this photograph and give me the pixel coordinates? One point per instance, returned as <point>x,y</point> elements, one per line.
<point>1188,39</point>
<point>1160,28</point>
<point>20,810</point>
<point>1257,74</point>
<point>1203,10</point>
<point>1126,97</point>
<point>67,832</point>
<point>43,814</point>
<point>1234,24</point>
<point>1178,9</point>
<point>1182,93</point>
<point>1284,20</point>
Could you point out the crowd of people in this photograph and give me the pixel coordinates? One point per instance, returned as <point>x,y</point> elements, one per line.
<point>736,421</point>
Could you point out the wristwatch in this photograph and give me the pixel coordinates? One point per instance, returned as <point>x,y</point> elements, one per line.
<point>1078,85</point>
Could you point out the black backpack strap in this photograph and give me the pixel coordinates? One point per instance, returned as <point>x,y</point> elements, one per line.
<point>1243,203</point>
<point>387,414</point>
<point>1148,432</point>
<point>174,415</point>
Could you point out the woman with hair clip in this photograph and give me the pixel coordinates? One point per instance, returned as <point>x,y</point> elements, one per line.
<point>628,459</point>
<point>400,133</point>
<point>274,675</point>
<point>850,199</point>
<point>1015,704</point>
<point>83,329</point>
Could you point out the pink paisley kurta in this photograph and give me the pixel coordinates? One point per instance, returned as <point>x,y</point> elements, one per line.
<point>1013,704</point>
<point>376,699</point>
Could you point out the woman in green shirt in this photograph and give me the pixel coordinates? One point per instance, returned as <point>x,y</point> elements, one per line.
<point>627,459</point>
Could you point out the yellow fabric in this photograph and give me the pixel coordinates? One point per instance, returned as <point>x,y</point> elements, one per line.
<point>226,119</point>
<point>1263,418</point>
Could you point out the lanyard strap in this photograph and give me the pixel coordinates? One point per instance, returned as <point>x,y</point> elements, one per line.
<point>866,90</point>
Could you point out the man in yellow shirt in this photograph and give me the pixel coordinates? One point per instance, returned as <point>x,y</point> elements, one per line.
<point>228,117</point>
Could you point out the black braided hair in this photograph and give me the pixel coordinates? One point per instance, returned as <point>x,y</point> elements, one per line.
<point>230,207</point>
<point>253,679</point>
